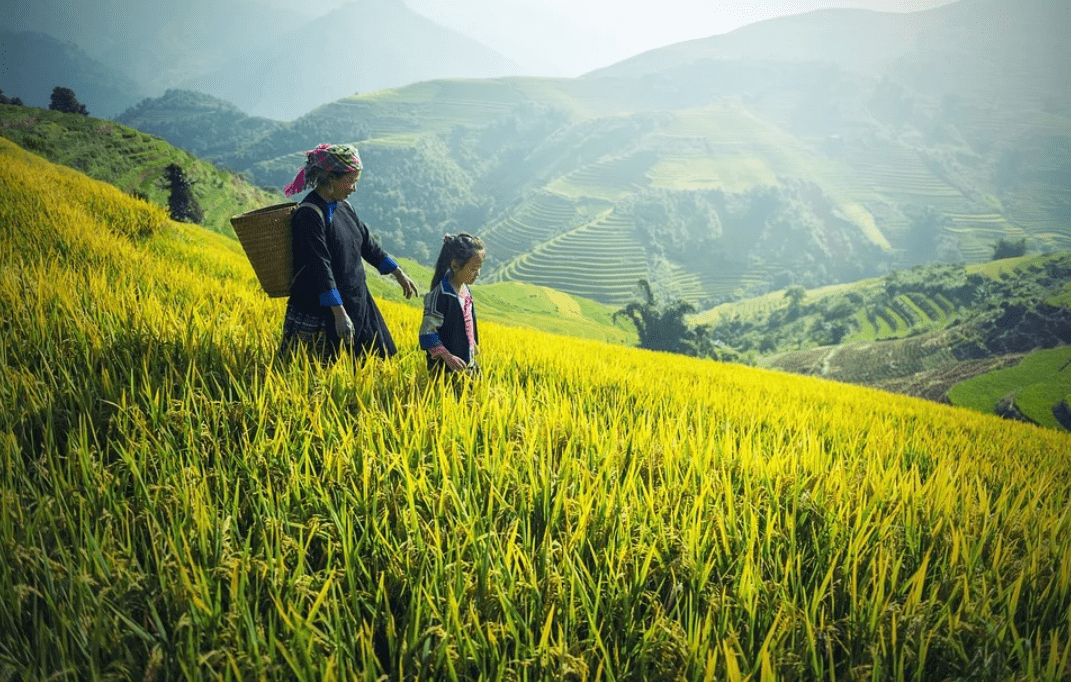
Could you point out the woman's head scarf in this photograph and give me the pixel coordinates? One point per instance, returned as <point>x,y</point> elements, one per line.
<point>339,158</point>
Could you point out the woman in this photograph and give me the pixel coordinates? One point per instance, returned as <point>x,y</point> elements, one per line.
<point>330,305</point>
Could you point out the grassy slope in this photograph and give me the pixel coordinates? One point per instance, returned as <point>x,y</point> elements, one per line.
<point>1037,384</point>
<point>130,160</point>
<point>177,506</point>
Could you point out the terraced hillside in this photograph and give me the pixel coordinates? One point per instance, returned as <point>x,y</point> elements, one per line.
<point>992,336</point>
<point>904,302</point>
<point>595,144</point>
<point>924,362</point>
<point>599,259</point>
<point>131,160</point>
<point>774,166</point>
<point>876,189</point>
<point>539,218</point>
<point>1036,191</point>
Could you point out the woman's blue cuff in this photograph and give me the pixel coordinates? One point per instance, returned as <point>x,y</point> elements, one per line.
<point>429,341</point>
<point>330,298</point>
<point>387,266</point>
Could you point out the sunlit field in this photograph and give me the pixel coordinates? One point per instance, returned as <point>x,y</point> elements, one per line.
<point>179,505</point>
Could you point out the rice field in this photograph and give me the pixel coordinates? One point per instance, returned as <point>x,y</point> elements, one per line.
<point>1035,386</point>
<point>609,179</point>
<point>177,505</point>
<point>600,260</point>
<point>538,218</point>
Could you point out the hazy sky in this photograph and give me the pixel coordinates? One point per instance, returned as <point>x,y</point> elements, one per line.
<point>588,34</point>
<point>546,37</point>
<point>661,22</point>
<point>621,28</point>
<point>542,37</point>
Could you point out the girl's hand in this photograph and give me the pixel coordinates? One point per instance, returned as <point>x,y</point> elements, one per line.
<point>455,363</point>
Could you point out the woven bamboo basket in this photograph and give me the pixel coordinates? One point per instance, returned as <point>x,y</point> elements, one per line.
<point>265,236</point>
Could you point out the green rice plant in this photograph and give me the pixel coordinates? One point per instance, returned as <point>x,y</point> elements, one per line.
<point>179,504</point>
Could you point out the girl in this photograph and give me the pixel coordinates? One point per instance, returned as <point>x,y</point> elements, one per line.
<point>448,332</point>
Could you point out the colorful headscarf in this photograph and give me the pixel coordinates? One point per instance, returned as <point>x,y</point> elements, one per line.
<point>339,158</point>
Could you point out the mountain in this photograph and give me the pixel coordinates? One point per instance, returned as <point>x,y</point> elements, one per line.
<point>547,40</point>
<point>32,64</point>
<point>363,46</point>
<point>272,61</point>
<point>208,127</point>
<point>1011,54</point>
<point>725,168</point>
<point>155,44</point>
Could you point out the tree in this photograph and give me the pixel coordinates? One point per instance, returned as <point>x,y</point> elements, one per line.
<point>661,327</point>
<point>1008,248</point>
<point>926,227</point>
<point>182,204</point>
<point>795,295</point>
<point>4,99</point>
<point>63,100</point>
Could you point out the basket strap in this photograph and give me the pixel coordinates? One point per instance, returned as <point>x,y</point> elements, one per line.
<point>319,213</point>
<point>313,207</point>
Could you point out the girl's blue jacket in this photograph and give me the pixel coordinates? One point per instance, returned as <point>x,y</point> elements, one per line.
<point>444,323</point>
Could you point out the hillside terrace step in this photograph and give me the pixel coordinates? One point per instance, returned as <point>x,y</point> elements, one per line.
<point>581,273</point>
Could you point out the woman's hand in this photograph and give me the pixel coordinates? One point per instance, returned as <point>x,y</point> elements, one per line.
<point>343,324</point>
<point>407,284</point>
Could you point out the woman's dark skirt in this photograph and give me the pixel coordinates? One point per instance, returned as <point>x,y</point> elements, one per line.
<point>314,332</point>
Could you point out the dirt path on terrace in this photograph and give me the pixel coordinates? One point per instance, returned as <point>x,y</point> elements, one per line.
<point>934,384</point>
<point>922,367</point>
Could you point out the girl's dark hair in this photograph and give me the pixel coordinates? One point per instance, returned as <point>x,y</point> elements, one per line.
<point>459,247</point>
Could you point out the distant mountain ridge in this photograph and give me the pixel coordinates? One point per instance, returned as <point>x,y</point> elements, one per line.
<point>272,62</point>
<point>206,126</point>
<point>363,46</point>
<point>717,174</point>
<point>959,48</point>
<point>151,44</point>
<point>32,64</point>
